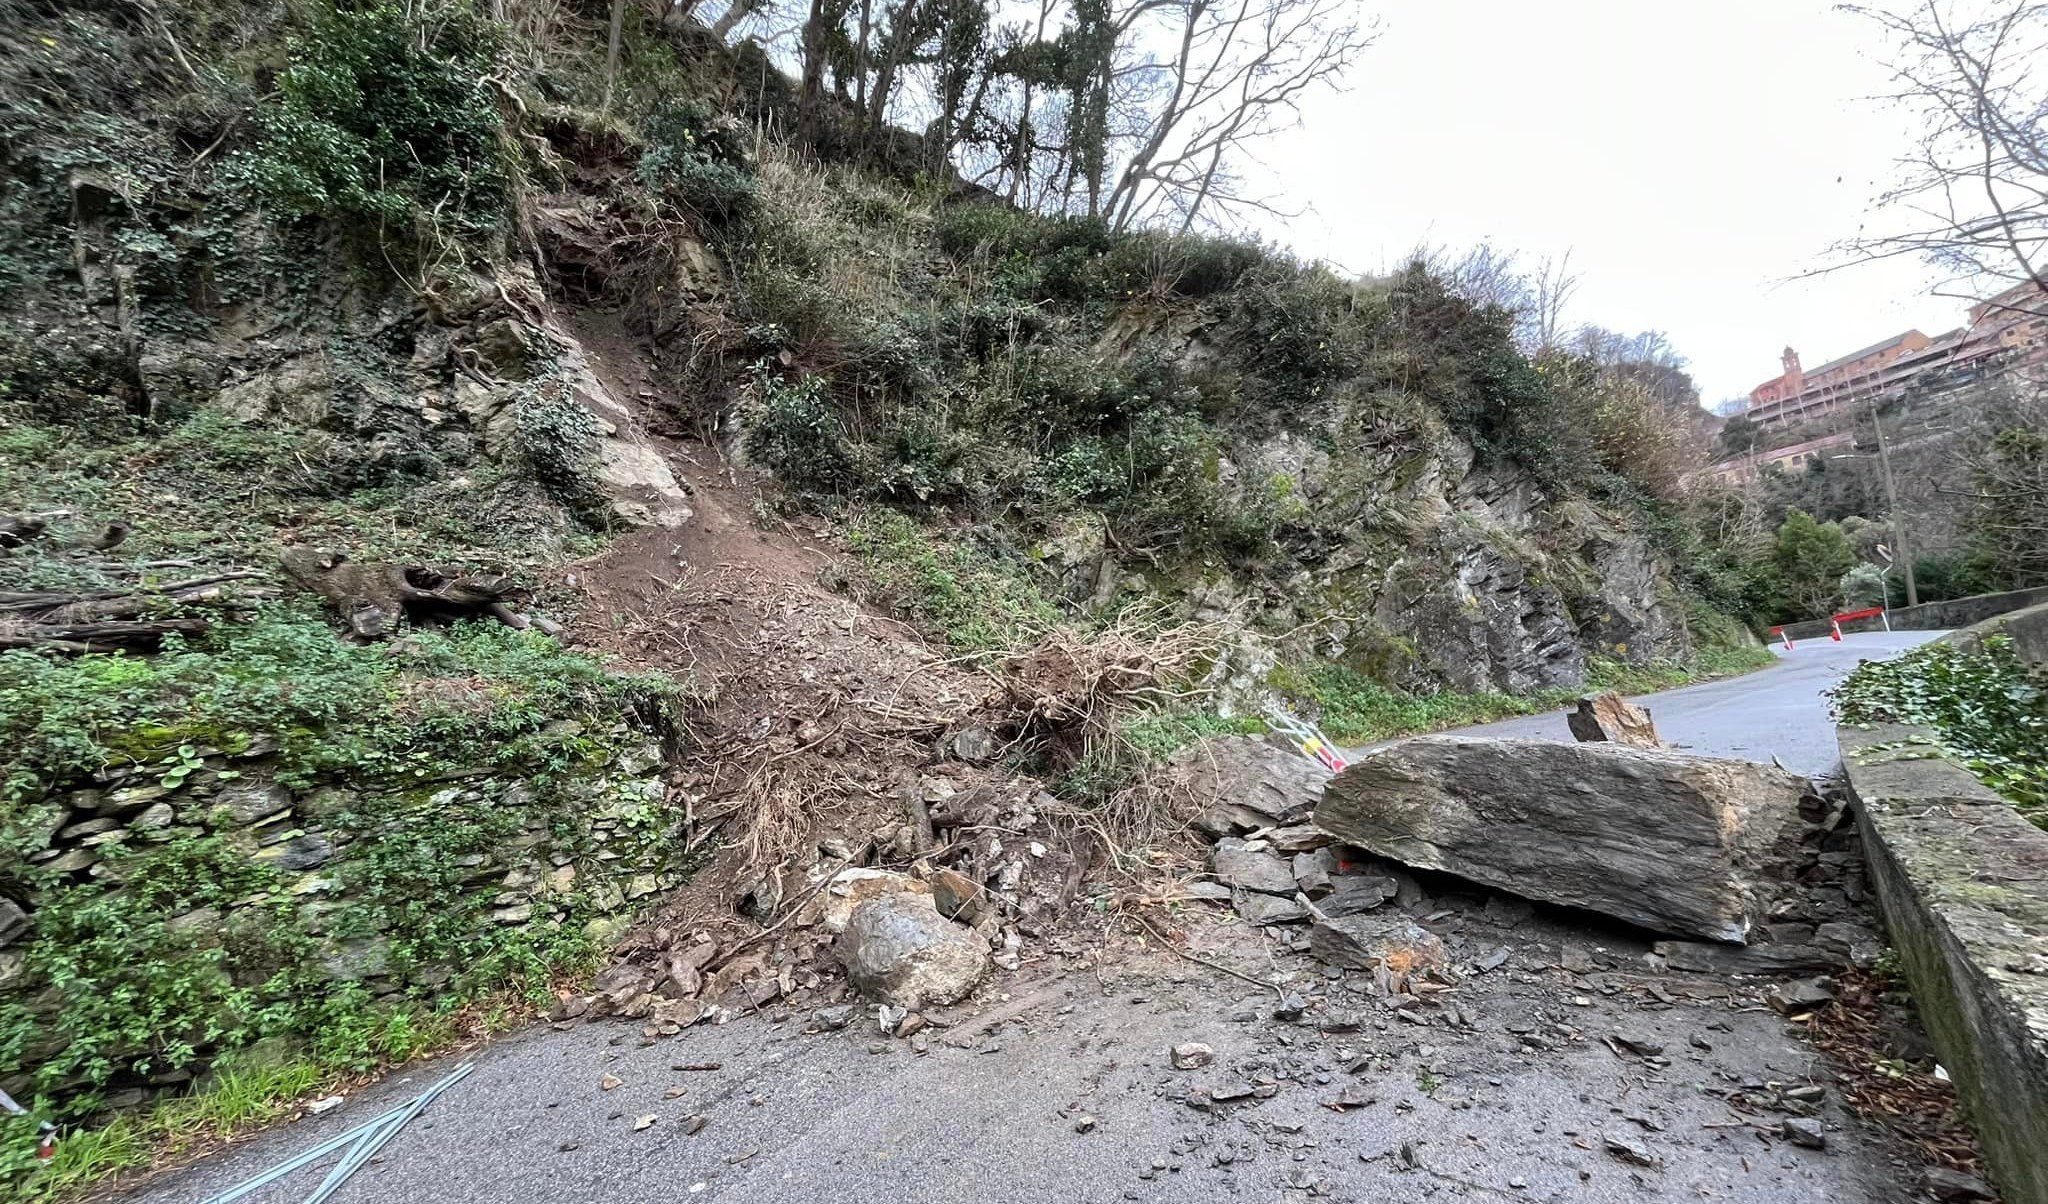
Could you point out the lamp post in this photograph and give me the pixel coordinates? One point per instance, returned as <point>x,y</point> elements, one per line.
<point>1903,553</point>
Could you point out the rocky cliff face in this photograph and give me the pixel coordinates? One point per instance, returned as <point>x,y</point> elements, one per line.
<point>1416,567</point>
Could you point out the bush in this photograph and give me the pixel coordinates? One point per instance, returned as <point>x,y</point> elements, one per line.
<point>384,117</point>
<point>1982,706</point>
<point>1866,585</point>
<point>696,158</point>
<point>791,430</point>
<point>973,601</point>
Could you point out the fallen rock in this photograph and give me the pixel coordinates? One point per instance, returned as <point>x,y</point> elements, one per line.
<point>1312,872</point>
<point>957,896</point>
<point>1243,771</point>
<point>898,950</point>
<point>1638,1041</point>
<point>838,1016</point>
<point>1610,718</point>
<point>1955,1187</point>
<point>1804,1131</point>
<point>1191,1055</point>
<point>1269,909</point>
<point>1250,869</point>
<point>977,745</point>
<point>1699,957</point>
<point>849,888</point>
<point>1629,1150</point>
<point>1800,995</point>
<point>1298,838</point>
<point>1363,942</point>
<point>1662,839</point>
<point>1351,894</point>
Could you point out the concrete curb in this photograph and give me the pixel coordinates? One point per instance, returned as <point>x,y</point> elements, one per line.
<point>1962,884</point>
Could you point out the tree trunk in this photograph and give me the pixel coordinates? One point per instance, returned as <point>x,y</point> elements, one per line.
<point>611,52</point>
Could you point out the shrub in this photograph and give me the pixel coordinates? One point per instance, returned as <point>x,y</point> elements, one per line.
<point>383,116</point>
<point>791,430</point>
<point>696,158</point>
<point>1982,706</point>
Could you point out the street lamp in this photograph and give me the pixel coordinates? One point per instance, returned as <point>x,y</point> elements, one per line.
<point>1891,501</point>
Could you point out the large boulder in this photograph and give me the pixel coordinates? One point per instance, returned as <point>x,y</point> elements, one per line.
<point>898,950</point>
<point>1672,842</point>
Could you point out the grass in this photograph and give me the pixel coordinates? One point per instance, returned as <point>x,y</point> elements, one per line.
<point>966,597</point>
<point>1355,709</point>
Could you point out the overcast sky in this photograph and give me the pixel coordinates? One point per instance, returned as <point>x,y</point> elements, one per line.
<point>1692,157</point>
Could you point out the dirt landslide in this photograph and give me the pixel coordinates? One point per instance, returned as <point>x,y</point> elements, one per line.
<point>1137,1029</point>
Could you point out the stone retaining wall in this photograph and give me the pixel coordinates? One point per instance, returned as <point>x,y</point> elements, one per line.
<point>401,889</point>
<point>1962,883</point>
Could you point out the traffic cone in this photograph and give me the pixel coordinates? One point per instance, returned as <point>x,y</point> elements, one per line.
<point>1835,630</point>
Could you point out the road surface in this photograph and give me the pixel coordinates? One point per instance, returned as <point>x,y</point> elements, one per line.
<point>1777,712</point>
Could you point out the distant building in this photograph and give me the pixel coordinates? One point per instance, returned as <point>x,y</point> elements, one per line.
<point>2007,334</point>
<point>1795,458</point>
<point>1796,394</point>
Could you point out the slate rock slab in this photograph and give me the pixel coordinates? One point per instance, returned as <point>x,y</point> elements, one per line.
<point>1676,843</point>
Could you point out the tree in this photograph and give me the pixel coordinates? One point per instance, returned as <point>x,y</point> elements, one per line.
<point>1810,558</point>
<point>2007,494</point>
<point>1237,75</point>
<point>1738,436</point>
<point>1973,192</point>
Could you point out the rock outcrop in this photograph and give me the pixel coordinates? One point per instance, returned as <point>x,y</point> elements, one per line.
<point>1672,842</point>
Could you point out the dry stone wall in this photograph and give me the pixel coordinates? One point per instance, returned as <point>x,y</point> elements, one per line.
<point>264,888</point>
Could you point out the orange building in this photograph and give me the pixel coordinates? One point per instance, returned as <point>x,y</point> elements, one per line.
<point>1797,394</point>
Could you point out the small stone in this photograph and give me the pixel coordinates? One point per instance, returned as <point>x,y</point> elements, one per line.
<point>693,1125</point>
<point>1800,995</point>
<point>1810,1093</point>
<point>1630,1150</point>
<point>1238,864</point>
<point>567,1146</point>
<point>1955,1187</point>
<point>957,896</point>
<point>1085,1124</point>
<point>610,1081</point>
<point>1804,1131</point>
<point>1637,1041</point>
<point>1267,910</point>
<point>646,1121</point>
<point>1229,1090</point>
<point>1290,1007</point>
<point>832,1019</point>
<point>1192,1055</point>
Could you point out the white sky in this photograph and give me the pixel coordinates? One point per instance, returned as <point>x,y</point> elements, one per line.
<point>1692,157</point>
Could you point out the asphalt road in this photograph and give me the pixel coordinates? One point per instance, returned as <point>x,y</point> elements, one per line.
<point>1777,712</point>
<point>1071,1101</point>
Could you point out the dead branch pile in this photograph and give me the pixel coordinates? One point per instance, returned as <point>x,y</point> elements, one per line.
<point>372,597</point>
<point>132,618</point>
<point>1068,695</point>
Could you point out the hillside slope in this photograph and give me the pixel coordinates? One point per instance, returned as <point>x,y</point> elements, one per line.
<point>853,460</point>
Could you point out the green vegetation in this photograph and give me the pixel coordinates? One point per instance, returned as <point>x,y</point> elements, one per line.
<point>1985,708</point>
<point>972,600</point>
<point>186,942</point>
<point>474,694</point>
<point>384,118</point>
